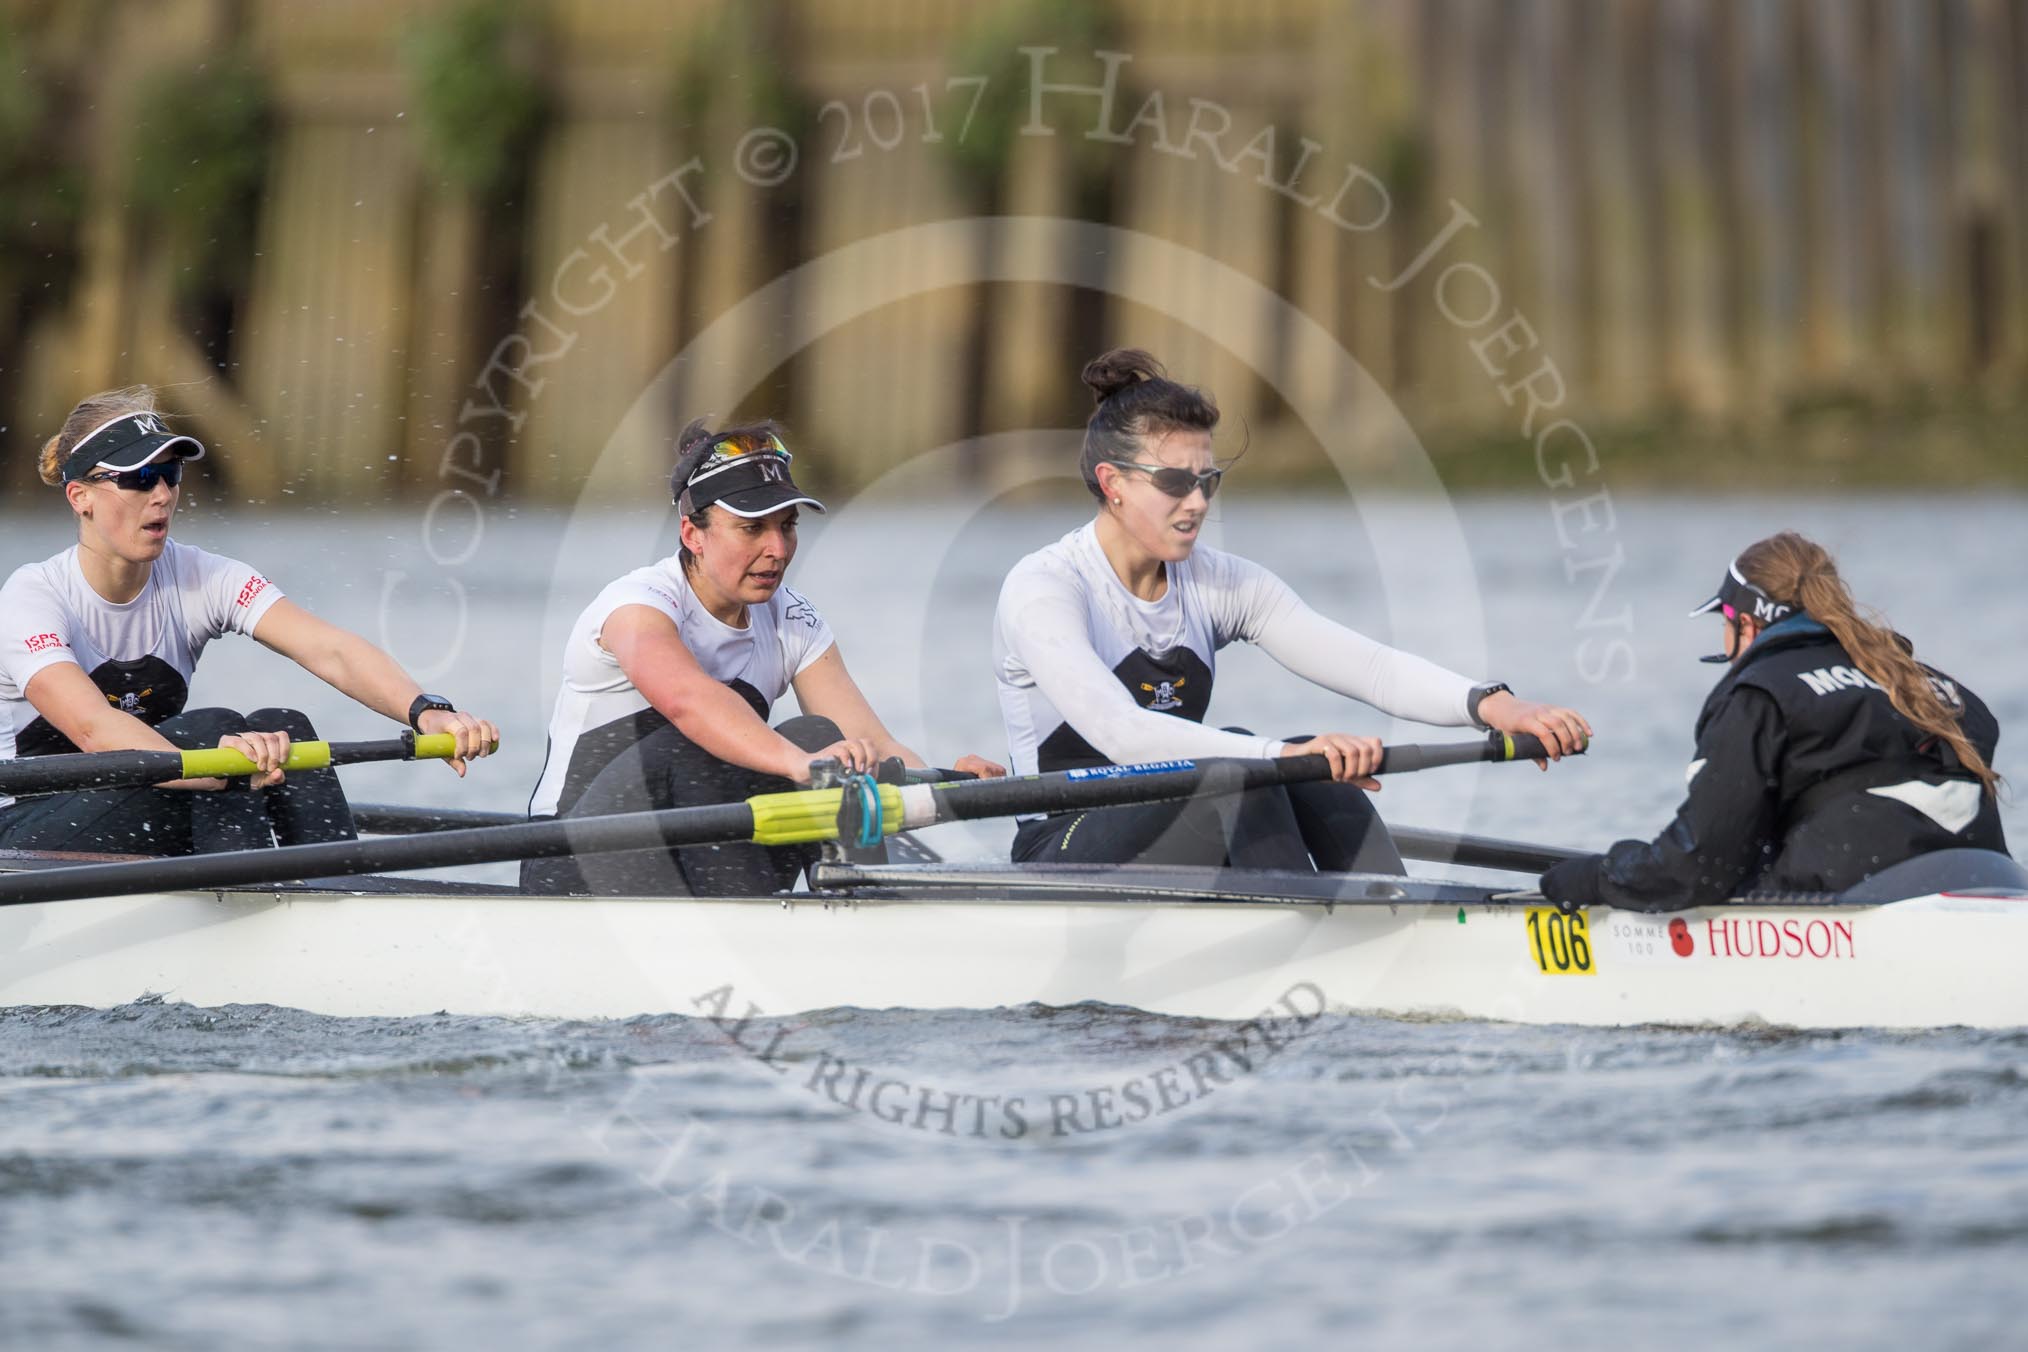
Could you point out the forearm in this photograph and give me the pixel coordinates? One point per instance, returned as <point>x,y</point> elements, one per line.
<point>361,671</point>
<point>1724,833</point>
<point>111,730</point>
<point>1669,873</point>
<point>116,731</point>
<point>1091,700</point>
<point>1134,735</point>
<point>1399,684</point>
<point>887,747</point>
<point>885,744</point>
<point>725,726</point>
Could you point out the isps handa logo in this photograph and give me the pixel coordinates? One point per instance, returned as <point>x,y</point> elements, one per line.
<point>1164,693</point>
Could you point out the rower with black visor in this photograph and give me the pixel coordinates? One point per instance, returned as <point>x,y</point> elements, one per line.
<point>98,646</point>
<point>672,673</point>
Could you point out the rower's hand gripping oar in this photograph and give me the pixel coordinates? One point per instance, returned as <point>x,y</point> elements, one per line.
<point>860,811</point>
<point>128,769</point>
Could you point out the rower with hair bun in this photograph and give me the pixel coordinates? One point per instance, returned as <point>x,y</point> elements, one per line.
<point>1105,646</point>
<point>1826,754</point>
<point>98,644</point>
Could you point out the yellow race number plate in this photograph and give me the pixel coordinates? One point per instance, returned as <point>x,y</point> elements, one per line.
<point>1559,943</point>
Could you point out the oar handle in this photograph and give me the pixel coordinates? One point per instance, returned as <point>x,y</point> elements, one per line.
<point>223,763</point>
<point>892,771</point>
<point>1497,747</point>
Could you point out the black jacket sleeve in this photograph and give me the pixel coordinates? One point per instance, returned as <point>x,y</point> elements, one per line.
<point>1726,831</point>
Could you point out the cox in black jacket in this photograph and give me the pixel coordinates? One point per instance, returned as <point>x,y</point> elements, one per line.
<point>1805,779</point>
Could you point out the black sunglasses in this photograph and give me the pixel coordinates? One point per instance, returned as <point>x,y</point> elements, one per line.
<point>144,479</point>
<point>1177,483</point>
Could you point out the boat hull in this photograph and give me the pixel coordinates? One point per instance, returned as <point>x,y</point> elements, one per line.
<point>1926,962</point>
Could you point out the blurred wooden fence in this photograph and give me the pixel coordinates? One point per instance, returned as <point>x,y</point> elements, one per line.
<point>1726,209</point>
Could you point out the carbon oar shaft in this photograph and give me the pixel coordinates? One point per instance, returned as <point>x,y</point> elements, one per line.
<point>444,849</point>
<point>1159,781</point>
<point>395,819</point>
<point>1450,847</point>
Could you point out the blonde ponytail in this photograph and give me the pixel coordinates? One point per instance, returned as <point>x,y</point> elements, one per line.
<point>49,465</point>
<point>1791,568</point>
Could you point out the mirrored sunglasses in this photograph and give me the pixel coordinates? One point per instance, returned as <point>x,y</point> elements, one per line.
<point>1177,483</point>
<point>144,479</point>
<point>742,443</point>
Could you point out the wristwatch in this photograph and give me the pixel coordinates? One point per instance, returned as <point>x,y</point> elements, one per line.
<point>1478,696</point>
<point>424,703</point>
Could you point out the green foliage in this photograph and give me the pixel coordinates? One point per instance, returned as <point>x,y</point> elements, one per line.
<point>1405,162</point>
<point>200,160</point>
<point>21,100</point>
<point>39,203</point>
<point>1076,29</point>
<point>478,101</point>
<point>733,65</point>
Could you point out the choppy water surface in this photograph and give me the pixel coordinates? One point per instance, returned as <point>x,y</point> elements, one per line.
<point>256,1176</point>
<point>250,1176</point>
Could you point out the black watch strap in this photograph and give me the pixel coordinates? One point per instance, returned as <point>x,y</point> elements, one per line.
<point>1478,697</point>
<point>423,704</point>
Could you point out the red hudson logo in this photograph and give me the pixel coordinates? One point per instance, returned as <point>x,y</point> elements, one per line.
<point>255,585</point>
<point>1819,939</point>
<point>42,643</point>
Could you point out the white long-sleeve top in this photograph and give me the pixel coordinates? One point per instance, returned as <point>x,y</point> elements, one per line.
<point>1085,666</point>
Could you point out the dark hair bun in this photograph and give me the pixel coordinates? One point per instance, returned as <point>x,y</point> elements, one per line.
<point>690,444</point>
<point>1111,372</point>
<point>693,436</point>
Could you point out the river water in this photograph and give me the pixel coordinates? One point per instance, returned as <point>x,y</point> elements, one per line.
<point>184,1177</point>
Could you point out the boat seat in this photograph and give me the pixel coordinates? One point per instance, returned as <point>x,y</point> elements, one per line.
<point>1942,871</point>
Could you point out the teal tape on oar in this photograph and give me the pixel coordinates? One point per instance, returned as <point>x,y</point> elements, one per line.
<point>869,831</point>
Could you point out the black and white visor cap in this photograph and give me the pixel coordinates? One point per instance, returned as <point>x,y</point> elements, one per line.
<point>746,482</point>
<point>128,442</point>
<point>1745,598</point>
